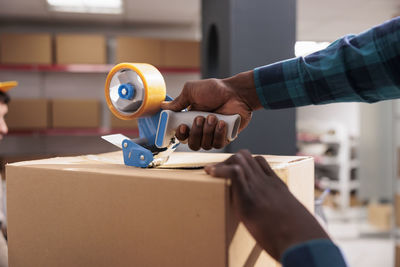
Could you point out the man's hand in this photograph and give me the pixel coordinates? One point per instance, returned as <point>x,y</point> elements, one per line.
<point>235,95</point>
<point>275,218</point>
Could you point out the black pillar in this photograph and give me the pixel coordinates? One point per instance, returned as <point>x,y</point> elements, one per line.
<point>240,35</point>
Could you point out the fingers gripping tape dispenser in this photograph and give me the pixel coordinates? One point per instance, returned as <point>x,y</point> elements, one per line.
<point>135,91</point>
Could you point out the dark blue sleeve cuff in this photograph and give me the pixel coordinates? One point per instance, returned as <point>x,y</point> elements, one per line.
<point>313,253</point>
<point>259,87</point>
<point>278,85</point>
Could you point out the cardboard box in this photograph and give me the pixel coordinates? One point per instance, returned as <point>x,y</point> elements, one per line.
<point>6,159</point>
<point>117,123</point>
<point>75,113</point>
<point>397,209</point>
<point>28,114</point>
<point>32,48</point>
<point>94,211</point>
<point>177,53</point>
<point>380,215</point>
<point>397,256</point>
<point>138,50</point>
<point>81,49</point>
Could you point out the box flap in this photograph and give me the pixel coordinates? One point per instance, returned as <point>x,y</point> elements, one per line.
<point>112,163</point>
<point>177,160</point>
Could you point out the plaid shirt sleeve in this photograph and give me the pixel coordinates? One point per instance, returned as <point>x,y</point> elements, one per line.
<point>314,253</point>
<point>355,68</point>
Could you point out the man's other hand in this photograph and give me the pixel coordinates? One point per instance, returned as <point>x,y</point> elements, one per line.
<point>275,218</point>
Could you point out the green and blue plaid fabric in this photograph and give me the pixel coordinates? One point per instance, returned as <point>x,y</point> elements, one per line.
<point>313,253</point>
<point>355,68</point>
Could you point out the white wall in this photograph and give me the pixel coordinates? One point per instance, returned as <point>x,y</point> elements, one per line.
<point>346,113</point>
<point>326,20</point>
<point>377,151</point>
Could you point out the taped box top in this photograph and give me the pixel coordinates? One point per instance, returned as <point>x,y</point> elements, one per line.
<point>93,210</point>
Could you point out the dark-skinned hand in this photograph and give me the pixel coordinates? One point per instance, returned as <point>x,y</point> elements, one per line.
<point>234,95</point>
<point>275,218</point>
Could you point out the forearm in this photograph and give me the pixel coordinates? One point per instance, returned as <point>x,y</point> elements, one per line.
<point>362,68</point>
<point>313,253</point>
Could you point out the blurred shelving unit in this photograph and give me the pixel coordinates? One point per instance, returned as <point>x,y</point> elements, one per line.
<point>64,82</point>
<point>84,68</point>
<point>335,157</point>
<point>59,108</point>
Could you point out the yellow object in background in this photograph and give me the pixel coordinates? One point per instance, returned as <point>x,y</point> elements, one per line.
<point>7,86</point>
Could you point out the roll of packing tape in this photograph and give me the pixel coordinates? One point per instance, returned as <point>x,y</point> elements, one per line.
<point>151,83</point>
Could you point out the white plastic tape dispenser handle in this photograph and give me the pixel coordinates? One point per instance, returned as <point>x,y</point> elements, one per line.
<point>169,122</point>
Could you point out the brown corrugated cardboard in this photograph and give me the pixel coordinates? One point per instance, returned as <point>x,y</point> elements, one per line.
<point>80,49</point>
<point>380,215</point>
<point>16,48</point>
<point>140,50</point>
<point>28,114</point>
<point>176,53</point>
<point>75,113</point>
<point>397,209</point>
<point>397,256</point>
<point>94,211</point>
<point>117,123</point>
<point>5,159</point>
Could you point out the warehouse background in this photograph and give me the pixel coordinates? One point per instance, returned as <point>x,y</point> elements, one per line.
<point>61,60</point>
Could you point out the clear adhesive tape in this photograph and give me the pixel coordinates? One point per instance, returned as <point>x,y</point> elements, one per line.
<point>154,86</point>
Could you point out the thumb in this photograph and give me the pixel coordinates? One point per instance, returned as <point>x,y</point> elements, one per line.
<point>234,172</point>
<point>177,104</point>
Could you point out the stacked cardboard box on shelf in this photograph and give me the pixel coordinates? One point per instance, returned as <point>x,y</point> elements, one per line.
<point>140,50</point>
<point>75,113</point>
<point>28,114</point>
<point>80,49</point>
<point>29,48</point>
<point>36,48</point>
<point>159,52</point>
<point>37,114</point>
<point>179,53</point>
<point>95,211</point>
<point>397,209</point>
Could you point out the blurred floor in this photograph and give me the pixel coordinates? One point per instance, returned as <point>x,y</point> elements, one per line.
<point>362,244</point>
